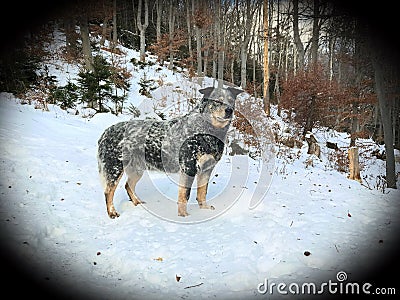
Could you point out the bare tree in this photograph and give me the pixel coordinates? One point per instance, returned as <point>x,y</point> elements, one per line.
<point>114,39</point>
<point>245,33</point>
<point>171,25</point>
<point>315,33</point>
<point>385,74</point>
<point>142,27</point>
<point>158,22</point>
<point>199,16</point>
<point>296,34</point>
<point>221,43</point>
<point>70,36</point>
<point>266,100</point>
<point>189,25</point>
<point>86,49</point>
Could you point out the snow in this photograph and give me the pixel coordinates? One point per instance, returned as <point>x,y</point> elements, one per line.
<point>54,218</point>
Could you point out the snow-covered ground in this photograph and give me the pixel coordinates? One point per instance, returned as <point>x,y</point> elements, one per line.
<point>312,221</point>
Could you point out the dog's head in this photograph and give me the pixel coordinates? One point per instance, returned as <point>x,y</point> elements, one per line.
<point>219,104</point>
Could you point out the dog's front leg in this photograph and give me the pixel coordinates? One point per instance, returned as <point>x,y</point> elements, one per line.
<point>185,185</point>
<point>202,185</point>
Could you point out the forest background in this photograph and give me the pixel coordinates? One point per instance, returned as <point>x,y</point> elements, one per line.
<point>332,64</point>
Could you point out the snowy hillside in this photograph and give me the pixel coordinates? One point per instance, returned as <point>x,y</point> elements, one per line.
<point>310,223</point>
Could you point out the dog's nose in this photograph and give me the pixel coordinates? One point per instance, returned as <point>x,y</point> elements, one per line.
<point>228,111</point>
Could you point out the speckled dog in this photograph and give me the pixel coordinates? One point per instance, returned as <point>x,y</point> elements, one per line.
<point>190,145</point>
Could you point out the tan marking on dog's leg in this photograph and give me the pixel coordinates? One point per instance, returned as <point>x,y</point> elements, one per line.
<point>185,184</point>
<point>109,195</point>
<point>130,188</point>
<point>182,202</point>
<point>205,163</point>
<point>112,213</point>
<point>201,196</point>
<point>202,185</point>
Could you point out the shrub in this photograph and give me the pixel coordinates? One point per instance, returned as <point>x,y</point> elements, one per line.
<point>134,111</point>
<point>146,86</point>
<point>66,96</point>
<point>312,96</point>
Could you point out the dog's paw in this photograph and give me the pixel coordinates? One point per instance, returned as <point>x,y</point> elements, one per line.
<point>137,202</point>
<point>183,214</point>
<point>182,209</point>
<point>203,205</point>
<point>113,214</point>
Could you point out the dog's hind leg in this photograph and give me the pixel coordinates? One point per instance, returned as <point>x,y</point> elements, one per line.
<point>109,195</point>
<point>130,187</point>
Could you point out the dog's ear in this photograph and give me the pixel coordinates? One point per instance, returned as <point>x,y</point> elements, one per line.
<point>206,91</point>
<point>234,91</point>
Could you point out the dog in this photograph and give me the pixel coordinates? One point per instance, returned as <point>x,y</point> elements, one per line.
<point>189,145</point>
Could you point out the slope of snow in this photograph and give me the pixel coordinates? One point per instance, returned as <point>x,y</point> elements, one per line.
<point>53,210</point>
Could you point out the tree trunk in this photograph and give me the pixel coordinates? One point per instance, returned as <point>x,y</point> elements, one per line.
<point>266,100</point>
<point>354,165</point>
<point>171,25</point>
<point>104,31</point>
<point>214,67</point>
<point>243,66</point>
<point>142,27</point>
<point>331,53</point>
<point>158,22</point>
<point>354,124</point>
<point>232,70</point>
<point>296,34</point>
<point>189,29</point>
<point>315,33</point>
<point>205,64</point>
<point>244,49</point>
<point>70,37</point>
<point>277,93</point>
<point>86,49</point>
<point>221,40</point>
<point>310,118</point>
<point>198,49</point>
<point>382,66</point>
<point>115,37</point>
<point>287,47</point>
<point>254,77</point>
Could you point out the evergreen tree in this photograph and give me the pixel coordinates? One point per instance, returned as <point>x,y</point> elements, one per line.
<point>18,71</point>
<point>96,86</point>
